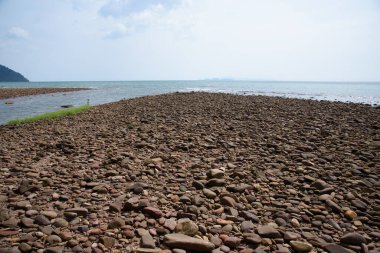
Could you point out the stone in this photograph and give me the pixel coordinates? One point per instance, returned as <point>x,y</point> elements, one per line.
<point>349,214</point>
<point>215,182</point>
<point>54,250</point>
<point>53,239</point>
<point>353,239</point>
<point>208,193</point>
<point>232,242</point>
<point>107,241</point>
<point>333,206</point>
<point>187,227</point>
<point>290,236</point>
<point>60,222</point>
<point>153,212</point>
<point>252,238</point>
<point>116,223</point>
<point>80,211</point>
<point>147,241</point>
<point>41,220</point>
<point>24,247</point>
<point>246,226</point>
<point>267,231</point>
<point>300,246</point>
<point>215,173</point>
<point>335,248</point>
<point>185,242</point>
<point>49,214</point>
<point>228,201</point>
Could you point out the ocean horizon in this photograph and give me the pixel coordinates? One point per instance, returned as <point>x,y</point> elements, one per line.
<point>102,92</point>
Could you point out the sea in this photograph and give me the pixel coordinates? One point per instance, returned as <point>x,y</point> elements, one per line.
<point>102,92</point>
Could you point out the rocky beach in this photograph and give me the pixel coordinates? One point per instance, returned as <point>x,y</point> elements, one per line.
<point>194,172</point>
<point>19,92</point>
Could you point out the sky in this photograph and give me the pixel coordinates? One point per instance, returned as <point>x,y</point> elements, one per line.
<point>98,40</point>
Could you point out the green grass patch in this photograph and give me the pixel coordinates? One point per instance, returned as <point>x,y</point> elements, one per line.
<point>51,115</point>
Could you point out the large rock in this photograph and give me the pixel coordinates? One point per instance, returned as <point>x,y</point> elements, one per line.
<point>187,243</point>
<point>268,232</point>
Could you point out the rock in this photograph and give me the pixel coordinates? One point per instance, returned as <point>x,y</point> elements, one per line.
<point>209,194</point>
<point>228,201</point>
<point>359,204</point>
<point>24,247</point>
<point>170,224</point>
<point>147,241</point>
<point>252,238</point>
<point>80,211</point>
<point>41,220</point>
<point>353,239</point>
<point>215,182</point>
<point>267,231</point>
<point>54,250</point>
<point>349,214</point>
<point>49,214</point>
<point>187,227</point>
<point>291,236</point>
<point>232,242</point>
<point>53,239</point>
<point>333,206</point>
<point>335,248</point>
<point>187,243</point>
<point>153,212</point>
<point>107,241</point>
<point>116,223</point>
<point>300,246</point>
<point>246,226</point>
<point>59,222</point>
<point>215,173</point>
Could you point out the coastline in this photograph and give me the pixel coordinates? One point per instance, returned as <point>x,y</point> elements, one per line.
<point>6,93</point>
<point>248,171</point>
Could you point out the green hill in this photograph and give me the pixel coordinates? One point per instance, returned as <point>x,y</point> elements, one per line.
<point>8,75</point>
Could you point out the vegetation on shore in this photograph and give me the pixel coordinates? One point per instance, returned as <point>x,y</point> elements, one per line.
<point>51,115</point>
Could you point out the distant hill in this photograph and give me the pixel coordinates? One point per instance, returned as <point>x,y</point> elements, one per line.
<point>8,75</point>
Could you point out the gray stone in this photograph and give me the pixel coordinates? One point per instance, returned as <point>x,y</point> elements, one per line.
<point>187,243</point>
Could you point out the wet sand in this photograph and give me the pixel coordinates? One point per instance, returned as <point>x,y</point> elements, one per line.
<point>233,173</point>
<point>18,92</point>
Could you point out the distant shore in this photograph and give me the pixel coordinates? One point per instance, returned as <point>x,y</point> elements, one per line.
<point>231,172</point>
<point>19,92</point>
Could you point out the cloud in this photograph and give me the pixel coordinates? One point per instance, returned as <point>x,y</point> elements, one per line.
<point>18,33</point>
<point>123,8</point>
<point>119,31</point>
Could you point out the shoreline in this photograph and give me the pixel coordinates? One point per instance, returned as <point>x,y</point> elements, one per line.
<point>250,172</point>
<point>7,93</point>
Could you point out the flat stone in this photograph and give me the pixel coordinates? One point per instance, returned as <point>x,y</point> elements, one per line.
<point>334,206</point>
<point>187,243</point>
<point>54,250</point>
<point>60,222</point>
<point>252,238</point>
<point>335,248</point>
<point>41,220</point>
<point>353,239</point>
<point>267,231</point>
<point>80,211</point>
<point>300,246</point>
<point>208,193</point>
<point>153,212</point>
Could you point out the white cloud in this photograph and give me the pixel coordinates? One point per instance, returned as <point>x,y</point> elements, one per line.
<point>18,33</point>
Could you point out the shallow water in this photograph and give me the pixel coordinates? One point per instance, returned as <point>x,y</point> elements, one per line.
<point>110,91</point>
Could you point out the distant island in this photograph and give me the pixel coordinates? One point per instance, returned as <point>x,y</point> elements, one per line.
<point>8,75</point>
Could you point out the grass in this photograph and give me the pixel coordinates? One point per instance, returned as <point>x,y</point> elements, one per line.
<point>51,115</point>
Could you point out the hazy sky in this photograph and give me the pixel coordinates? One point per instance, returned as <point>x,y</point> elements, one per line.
<point>50,40</point>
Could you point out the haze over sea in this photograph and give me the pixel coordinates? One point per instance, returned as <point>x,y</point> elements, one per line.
<point>110,91</point>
